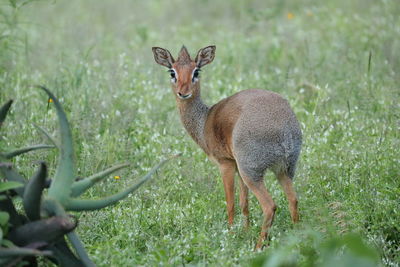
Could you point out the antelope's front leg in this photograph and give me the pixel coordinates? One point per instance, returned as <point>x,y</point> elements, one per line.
<point>228,169</point>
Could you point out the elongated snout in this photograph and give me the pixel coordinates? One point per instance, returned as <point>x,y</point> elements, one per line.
<point>184,91</point>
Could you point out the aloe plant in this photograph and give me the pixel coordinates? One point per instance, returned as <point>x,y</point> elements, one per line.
<point>46,218</point>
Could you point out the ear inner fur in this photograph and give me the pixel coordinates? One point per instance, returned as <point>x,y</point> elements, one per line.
<point>205,56</point>
<point>163,57</point>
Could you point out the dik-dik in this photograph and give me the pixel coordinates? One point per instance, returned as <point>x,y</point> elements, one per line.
<point>249,132</point>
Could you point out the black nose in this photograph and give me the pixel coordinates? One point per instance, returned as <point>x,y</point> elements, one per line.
<point>182,96</point>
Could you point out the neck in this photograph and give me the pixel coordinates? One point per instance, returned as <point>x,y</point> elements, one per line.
<point>193,113</point>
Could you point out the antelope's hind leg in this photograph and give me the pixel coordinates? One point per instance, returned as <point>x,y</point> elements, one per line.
<point>287,185</point>
<point>256,185</point>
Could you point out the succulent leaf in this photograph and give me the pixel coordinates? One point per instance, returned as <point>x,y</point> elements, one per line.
<point>61,186</point>
<point>80,249</point>
<point>7,206</point>
<point>53,207</point>
<point>13,252</point>
<point>79,187</point>
<point>64,256</point>
<point>4,217</point>
<point>20,151</point>
<point>11,175</point>
<point>3,111</point>
<point>5,186</point>
<point>48,136</point>
<point>33,193</point>
<point>89,204</point>
<point>46,230</point>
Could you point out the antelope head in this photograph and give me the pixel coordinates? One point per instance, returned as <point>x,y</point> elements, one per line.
<point>185,72</point>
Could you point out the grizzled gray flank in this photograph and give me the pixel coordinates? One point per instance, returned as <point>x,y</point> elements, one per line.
<point>267,135</point>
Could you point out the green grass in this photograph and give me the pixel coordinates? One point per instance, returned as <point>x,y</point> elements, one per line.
<point>96,57</point>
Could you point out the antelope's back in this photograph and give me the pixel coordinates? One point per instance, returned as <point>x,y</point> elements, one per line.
<point>252,118</point>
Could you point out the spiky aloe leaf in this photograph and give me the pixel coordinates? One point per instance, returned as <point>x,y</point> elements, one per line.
<point>53,207</point>
<point>79,187</point>
<point>33,193</point>
<point>89,204</point>
<point>60,188</point>
<point>12,252</point>
<point>80,249</point>
<point>48,136</point>
<point>5,186</point>
<point>3,111</point>
<point>13,256</point>
<point>11,175</point>
<point>20,151</point>
<point>46,230</point>
<point>27,258</point>
<point>8,206</point>
<point>4,217</point>
<point>64,256</point>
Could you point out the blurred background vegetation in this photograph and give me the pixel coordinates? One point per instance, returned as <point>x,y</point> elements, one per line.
<point>337,62</point>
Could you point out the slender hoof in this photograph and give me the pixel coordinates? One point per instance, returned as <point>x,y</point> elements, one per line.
<point>259,246</point>
<point>295,217</point>
<point>246,223</point>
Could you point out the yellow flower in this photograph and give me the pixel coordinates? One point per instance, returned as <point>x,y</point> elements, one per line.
<point>50,100</point>
<point>290,15</point>
<point>117,177</point>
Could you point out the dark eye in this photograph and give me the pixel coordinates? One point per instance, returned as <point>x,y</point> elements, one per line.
<point>196,75</point>
<point>173,75</point>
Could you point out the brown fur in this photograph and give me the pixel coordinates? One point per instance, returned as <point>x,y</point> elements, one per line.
<point>248,132</point>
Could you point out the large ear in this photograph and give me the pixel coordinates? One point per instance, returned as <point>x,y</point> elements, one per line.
<point>163,57</point>
<point>205,56</point>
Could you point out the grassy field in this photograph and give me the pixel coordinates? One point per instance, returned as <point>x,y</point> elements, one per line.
<point>337,62</point>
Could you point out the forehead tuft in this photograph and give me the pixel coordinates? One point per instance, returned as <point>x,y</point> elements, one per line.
<point>183,57</point>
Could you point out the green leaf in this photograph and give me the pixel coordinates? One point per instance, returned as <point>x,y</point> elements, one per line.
<point>33,193</point>
<point>60,188</point>
<point>79,187</point>
<point>45,230</point>
<point>79,249</point>
<point>8,206</point>
<point>13,176</point>
<point>89,204</point>
<point>20,151</point>
<point>13,252</point>
<point>48,136</point>
<point>3,111</point>
<point>7,243</point>
<point>4,186</point>
<point>4,217</point>
<point>63,254</point>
